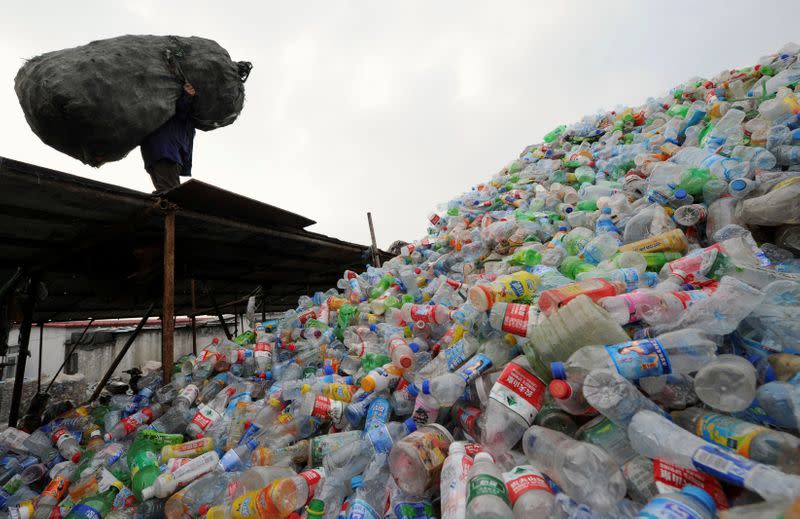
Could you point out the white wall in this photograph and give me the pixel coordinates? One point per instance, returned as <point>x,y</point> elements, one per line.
<point>93,363</point>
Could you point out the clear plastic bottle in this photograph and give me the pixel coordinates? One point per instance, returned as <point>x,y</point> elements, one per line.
<point>655,436</point>
<point>529,493</point>
<point>453,485</point>
<point>681,351</point>
<point>584,471</point>
<point>416,460</point>
<point>514,400</point>
<point>206,415</point>
<point>487,497</point>
<point>750,440</point>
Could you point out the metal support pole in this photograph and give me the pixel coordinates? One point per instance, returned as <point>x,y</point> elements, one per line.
<point>219,313</point>
<point>376,260</point>
<point>121,354</point>
<point>22,355</point>
<point>168,299</point>
<point>194,320</point>
<point>39,370</point>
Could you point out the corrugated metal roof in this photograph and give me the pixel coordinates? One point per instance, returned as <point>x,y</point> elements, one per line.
<point>99,246</point>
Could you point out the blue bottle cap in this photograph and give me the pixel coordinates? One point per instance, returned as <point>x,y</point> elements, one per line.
<point>412,390</point>
<point>414,347</point>
<point>426,387</point>
<point>411,425</point>
<point>558,371</point>
<point>373,327</point>
<point>606,210</point>
<point>328,370</point>
<point>348,379</point>
<point>738,185</point>
<point>680,194</point>
<point>356,482</point>
<point>701,495</point>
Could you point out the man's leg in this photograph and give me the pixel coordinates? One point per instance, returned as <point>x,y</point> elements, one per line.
<point>165,176</point>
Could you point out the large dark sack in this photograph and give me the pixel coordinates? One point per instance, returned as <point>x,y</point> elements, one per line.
<point>97,102</point>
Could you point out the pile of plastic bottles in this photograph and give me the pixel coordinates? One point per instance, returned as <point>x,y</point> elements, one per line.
<point>609,327</point>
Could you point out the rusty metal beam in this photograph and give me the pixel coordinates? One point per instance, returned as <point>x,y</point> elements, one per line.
<point>168,299</point>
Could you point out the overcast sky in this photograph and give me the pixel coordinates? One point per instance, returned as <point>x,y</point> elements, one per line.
<point>395,107</point>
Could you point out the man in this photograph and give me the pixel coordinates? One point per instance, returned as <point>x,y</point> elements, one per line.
<point>167,152</point>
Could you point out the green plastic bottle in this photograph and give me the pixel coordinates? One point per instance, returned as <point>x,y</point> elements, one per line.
<point>371,361</point>
<point>97,506</point>
<point>586,205</point>
<point>656,260</point>
<point>381,286</point>
<point>143,457</point>
<point>693,180</point>
<point>553,135</point>
<point>573,265</point>
<point>526,258</point>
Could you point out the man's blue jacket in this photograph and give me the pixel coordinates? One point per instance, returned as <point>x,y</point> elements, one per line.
<point>173,140</point>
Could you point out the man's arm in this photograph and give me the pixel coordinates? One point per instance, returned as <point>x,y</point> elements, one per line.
<point>184,103</point>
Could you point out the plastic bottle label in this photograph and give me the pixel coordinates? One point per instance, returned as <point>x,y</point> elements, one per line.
<point>174,464</point>
<point>455,355</point>
<point>666,508</point>
<point>321,446</point>
<point>250,504</point>
<point>56,488</point>
<point>312,477</point>
<point>520,391</point>
<point>515,320</point>
<point>468,418</point>
<point>380,438</point>
<point>524,479</point>
<point>205,416</point>
<point>360,509</point>
<point>424,413</point>
<point>326,408</point>
<point>725,465</point>
<point>639,359</point>
<point>378,412</point>
<point>729,432</point>
<point>477,364</point>
<point>671,478</point>
<point>423,313</point>
<point>486,485</point>
<point>431,446</point>
<point>414,510</point>
<point>85,511</point>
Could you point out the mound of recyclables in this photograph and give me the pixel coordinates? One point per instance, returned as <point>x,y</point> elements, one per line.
<point>97,102</point>
<point>607,327</point>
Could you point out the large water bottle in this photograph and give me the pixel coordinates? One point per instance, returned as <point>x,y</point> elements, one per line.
<point>682,351</point>
<point>487,497</point>
<point>585,471</point>
<point>654,436</point>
